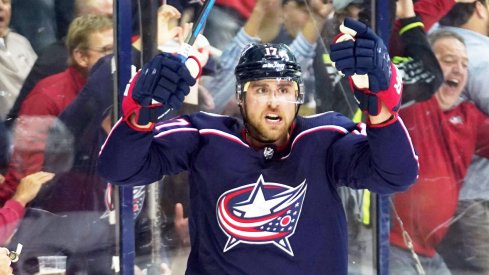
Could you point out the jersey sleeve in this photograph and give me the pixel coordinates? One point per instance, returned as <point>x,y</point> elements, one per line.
<point>129,157</point>
<point>383,161</point>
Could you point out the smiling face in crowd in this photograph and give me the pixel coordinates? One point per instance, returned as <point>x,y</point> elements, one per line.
<point>452,56</point>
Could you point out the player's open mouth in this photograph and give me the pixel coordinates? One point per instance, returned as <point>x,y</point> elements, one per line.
<point>273,118</point>
<point>452,83</point>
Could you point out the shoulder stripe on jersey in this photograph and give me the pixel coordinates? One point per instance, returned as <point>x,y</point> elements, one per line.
<point>316,115</point>
<point>338,129</point>
<point>212,114</point>
<point>203,132</point>
<point>172,131</point>
<point>224,135</point>
<point>172,123</point>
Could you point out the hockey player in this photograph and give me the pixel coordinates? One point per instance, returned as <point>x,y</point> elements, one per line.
<point>263,194</point>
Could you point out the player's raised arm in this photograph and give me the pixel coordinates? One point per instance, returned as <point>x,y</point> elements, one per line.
<point>362,56</point>
<point>159,86</point>
<point>391,164</point>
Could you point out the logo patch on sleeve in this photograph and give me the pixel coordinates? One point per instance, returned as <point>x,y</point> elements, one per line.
<point>261,213</point>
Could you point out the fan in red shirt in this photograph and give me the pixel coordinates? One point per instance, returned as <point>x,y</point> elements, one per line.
<point>89,38</point>
<point>446,132</point>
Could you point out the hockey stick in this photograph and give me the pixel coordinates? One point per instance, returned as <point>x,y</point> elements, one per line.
<point>197,28</point>
<point>190,39</point>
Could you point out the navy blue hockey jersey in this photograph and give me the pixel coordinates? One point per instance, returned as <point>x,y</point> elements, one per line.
<point>269,210</point>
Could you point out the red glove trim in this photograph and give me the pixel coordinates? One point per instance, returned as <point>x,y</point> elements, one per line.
<point>339,35</point>
<point>130,107</point>
<point>198,64</point>
<point>391,120</point>
<point>391,96</point>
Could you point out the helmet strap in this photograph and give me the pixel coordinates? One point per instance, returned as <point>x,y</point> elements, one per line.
<point>297,111</point>
<point>243,113</point>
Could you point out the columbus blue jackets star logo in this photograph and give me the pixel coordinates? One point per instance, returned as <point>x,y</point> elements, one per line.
<point>261,213</point>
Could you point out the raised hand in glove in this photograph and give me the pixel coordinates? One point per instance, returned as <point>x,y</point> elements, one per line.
<point>159,86</point>
<point>362,56</point>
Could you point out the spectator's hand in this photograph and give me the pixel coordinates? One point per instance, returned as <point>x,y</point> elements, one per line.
<point>405,9</point>
<point>268,6</point>
<point>318,13</point>
<point>5,262</point>
<point>159,86</point>
<point>321,9</point>
<point>181,224</point>
<point>168,29</point>
<point>174,43</point>
<point>265,20</point>
<point>361,55</point>
<point>2,178</point>
<point>170,35</point>
<point>30,185</point>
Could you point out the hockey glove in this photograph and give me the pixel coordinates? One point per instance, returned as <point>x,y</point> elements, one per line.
<point>362,56</point>
<point>159,86</point>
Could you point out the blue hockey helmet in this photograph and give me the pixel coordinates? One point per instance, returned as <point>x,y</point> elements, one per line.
<point>261,61</point>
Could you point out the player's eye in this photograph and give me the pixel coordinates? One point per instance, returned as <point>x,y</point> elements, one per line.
<point>283,91</point>
<point>262,91</point>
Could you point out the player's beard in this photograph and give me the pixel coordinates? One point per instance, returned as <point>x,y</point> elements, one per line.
<point>263,134</point>
<point>260,131</point>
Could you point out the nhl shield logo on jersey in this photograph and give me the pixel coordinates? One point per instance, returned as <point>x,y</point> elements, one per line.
<point>261,213</point>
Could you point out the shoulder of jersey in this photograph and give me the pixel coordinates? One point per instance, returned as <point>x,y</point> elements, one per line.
<point>203,120</point>
<point>322,119</point>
